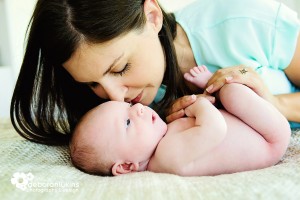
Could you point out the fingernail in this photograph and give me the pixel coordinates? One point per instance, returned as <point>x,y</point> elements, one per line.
<point>209,88</point>
<point>189,98</point>
<point>193,97</point>
<point>228,78</point>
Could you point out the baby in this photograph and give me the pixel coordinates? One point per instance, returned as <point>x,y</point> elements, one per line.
<point>249,133</point>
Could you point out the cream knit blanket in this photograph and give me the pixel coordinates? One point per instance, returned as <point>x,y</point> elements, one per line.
<point>35,171</point>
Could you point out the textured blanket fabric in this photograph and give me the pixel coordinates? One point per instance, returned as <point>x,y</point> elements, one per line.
<point>35,171</point>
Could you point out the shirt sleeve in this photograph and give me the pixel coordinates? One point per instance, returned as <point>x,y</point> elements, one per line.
<point>251,32</point>
<point>285,37</point>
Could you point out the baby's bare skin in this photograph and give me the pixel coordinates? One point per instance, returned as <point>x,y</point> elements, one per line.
<point>118,138</point>
<point>249,141</point>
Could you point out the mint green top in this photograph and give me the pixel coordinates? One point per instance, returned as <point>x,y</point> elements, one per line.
<point>257,33</point>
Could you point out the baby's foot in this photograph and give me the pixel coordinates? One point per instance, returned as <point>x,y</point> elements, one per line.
<point>199,76</point>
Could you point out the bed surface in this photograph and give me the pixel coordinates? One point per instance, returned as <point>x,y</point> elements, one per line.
<point>35,171</point>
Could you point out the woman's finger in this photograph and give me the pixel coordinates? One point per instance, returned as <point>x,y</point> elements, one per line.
<point>176,115</point>
<point>182,103</point>
<point>217,85</point>
<point>219,77</point>
<point>238,74</point>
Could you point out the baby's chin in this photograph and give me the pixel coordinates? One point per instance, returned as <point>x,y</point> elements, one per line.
<point>159,125</point>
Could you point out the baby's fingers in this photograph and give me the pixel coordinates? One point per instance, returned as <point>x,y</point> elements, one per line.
<point>177,109</point>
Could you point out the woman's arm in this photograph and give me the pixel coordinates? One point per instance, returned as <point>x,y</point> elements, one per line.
<point>287,104</point>
<point>293,70</point>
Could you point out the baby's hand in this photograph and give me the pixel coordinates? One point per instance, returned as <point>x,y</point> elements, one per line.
<point>177,109</point>
<point>200,104</point>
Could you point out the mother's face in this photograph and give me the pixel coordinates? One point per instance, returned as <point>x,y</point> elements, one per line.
<point>128,68</point>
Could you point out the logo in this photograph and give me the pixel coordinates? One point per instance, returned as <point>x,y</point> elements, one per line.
<point>26,183</point>
<point>21,180</point>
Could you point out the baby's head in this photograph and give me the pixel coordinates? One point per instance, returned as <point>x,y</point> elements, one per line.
<point>116,138</point>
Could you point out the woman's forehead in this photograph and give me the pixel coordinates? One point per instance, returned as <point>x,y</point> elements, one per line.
<point>86,63</point>
<point>95,59</point>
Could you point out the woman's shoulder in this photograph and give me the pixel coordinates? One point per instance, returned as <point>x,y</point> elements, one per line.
<point>207,13</point>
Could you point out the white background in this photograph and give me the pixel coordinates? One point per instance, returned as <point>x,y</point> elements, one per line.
<point>14,17</point>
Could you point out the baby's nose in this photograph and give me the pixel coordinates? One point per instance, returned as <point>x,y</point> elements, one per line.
<point>139,108</point>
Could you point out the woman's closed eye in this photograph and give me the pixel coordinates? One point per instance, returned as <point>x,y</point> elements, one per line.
<point>123,71</point>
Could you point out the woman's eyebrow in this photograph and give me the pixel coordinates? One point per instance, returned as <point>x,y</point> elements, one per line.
<point>113,64</point>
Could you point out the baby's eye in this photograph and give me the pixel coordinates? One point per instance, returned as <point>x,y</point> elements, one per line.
<point>127,123</point>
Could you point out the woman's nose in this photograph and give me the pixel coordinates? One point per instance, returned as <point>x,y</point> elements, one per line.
<point>111,92</point>
<point>116,94</point>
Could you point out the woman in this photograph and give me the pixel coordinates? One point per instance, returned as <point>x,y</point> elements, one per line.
<point>82,53</point>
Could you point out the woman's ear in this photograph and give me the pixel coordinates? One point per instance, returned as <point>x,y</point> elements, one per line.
<point>120,168</point>
<point>153,14</point>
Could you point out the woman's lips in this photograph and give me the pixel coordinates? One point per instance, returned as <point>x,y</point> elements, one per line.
<point>137,99</point>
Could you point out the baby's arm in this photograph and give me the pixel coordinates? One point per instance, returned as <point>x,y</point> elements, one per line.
<point>177,152</point>
<point>259,114</point>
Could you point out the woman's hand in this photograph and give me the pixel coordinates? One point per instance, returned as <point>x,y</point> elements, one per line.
<point>237,74</point>
<point>177,109</point>
<point>243,75</point>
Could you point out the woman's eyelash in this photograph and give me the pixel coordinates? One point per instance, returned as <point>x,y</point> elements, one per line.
<point>120,73</point>
<point>124,70</point>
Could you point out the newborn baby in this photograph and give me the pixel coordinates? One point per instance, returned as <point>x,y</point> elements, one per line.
<point>117,138</point>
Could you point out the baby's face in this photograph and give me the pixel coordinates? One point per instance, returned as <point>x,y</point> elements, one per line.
<point>128,132</point>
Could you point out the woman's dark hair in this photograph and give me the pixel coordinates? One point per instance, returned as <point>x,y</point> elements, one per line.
<point>47,103</point>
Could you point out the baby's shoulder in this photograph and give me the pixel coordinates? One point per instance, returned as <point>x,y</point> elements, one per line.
<point>160,161</point>
<point>164,153</point>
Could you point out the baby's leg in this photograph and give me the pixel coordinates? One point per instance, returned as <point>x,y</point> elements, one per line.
<point>259,114</point>
<point>199,76</point>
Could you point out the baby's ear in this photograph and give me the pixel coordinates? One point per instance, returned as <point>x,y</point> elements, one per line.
<point>120,168</point>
